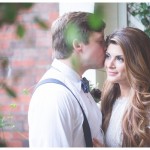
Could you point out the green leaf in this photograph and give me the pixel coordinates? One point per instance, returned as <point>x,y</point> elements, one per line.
<point>143,5</point>
<point>13,105</point>
<point>26,5</point>
<point>94,21</point>
<point>3,143</point>
<point>41,23</point>
<point>1,121</point>
<point>145,22</point>
<point>20,30</point>
<point>10,91</point>
<point>9,13</point>
<point>147,31</point>
<point>26,91</point>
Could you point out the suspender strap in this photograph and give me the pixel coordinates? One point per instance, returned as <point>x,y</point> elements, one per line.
<point>86,127</point>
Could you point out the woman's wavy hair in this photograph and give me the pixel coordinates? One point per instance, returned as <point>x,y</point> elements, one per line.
<point>136,121</point>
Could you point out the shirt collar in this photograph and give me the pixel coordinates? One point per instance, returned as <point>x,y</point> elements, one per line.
<point>68,72</point>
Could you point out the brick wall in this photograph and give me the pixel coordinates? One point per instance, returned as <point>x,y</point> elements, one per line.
<point>29,59</point>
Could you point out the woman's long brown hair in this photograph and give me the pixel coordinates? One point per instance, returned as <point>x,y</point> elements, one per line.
<point>136,120</point>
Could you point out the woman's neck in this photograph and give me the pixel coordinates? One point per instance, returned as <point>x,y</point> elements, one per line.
<point>125,90</point>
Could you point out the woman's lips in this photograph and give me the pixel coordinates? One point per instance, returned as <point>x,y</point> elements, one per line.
<point>111,73</point>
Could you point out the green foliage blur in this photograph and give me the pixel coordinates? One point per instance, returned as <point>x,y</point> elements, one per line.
<point>142,12</point>
<point>8,16</point>
<point>9,13</point>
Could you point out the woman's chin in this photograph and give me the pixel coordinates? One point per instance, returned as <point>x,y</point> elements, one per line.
<point>111,80</point>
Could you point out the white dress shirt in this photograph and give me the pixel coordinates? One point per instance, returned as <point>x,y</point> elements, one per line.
<point>55,117</point>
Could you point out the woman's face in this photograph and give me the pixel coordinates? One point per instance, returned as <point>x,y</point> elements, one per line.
<point>115,65</point>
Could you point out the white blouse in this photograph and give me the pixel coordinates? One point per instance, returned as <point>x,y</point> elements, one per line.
<point>113,136</point>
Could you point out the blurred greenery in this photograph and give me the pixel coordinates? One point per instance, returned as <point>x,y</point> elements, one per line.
<point>6,121</point>
<point>94,21</point>
<point>8,16</point>
<point>20,30</point>
<point>9,13</point>
<point>142,12</point>
<point>10,92</point>
<point>41,23</point>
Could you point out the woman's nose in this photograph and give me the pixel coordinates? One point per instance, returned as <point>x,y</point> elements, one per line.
<point>111,63</point>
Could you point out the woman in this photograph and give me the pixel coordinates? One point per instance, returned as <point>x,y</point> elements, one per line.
<point>125,100</point>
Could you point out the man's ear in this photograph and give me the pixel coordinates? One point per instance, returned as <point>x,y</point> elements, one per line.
<point>77,45</point>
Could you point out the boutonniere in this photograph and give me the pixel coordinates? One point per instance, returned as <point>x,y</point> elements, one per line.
<point>95,92</point>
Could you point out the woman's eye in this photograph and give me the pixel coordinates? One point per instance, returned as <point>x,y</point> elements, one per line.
<point>107,55</point>
<point>120,59</point>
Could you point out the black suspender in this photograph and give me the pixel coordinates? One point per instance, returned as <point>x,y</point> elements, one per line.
<point>86,127</point>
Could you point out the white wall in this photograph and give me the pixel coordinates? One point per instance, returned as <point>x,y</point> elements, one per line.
<point>69,7</point>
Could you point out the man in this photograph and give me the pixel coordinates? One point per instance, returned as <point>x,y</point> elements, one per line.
<point>55,116</point>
